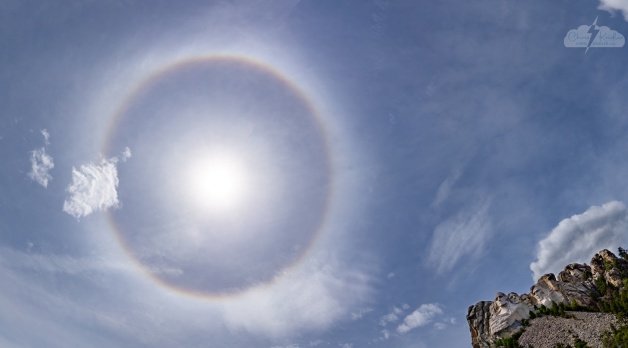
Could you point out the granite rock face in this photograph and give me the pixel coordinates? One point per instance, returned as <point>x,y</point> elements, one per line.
<point>478,318</point>
<point>575,285</point>
<point>605,264</point>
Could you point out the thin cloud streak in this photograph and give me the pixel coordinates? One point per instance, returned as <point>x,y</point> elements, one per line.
<point>444,190</point>
<point>463,235</point>
<point>311,299</point>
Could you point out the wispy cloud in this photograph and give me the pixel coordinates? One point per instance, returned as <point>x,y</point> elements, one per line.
<point>46,135</point>
<point>361,313</point>
<point>41,163</point>
<point>126,154</point>
<point>615,5</point>
<point>445,187</point>
<point>388,318</point>
<point>442,325</point>
<point>309,299</point>
<point>385,335</point>
<point>36,303</point>
<point>94,187</point>
<point>578,238</point>
<point>420,317</point>
<point>460,236</point>
<point>393,316</point>
<point>60,264</point>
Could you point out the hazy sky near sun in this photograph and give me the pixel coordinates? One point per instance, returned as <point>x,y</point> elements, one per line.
<point>294,174</point>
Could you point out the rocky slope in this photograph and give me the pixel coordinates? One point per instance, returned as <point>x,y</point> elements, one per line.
<point>575,287</point>
<point>546,332</point>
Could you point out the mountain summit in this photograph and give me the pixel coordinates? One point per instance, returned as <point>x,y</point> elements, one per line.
<point>578,308</point>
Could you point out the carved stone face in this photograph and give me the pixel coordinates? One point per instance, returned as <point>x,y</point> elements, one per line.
<point>534,291</point>
<point>501,299</point>
<point>514,298</point>
<point>538,292</point>
<point>506,312</point>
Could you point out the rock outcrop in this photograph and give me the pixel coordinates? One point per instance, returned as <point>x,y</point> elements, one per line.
<point>575,287</point>
<point>605,264</point>
<point>478,318</point>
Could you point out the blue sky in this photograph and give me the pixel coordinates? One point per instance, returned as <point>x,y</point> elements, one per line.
<point>298,173</point>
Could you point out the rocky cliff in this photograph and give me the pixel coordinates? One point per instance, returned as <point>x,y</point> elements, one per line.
<point>575,287</point>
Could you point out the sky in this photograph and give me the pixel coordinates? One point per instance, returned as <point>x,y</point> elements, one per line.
<point>291,174</point>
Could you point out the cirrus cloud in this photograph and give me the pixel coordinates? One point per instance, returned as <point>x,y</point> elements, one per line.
<point>461,236</point>
<point>309,299</point>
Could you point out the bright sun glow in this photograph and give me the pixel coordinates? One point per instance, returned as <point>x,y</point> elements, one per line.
<point>218,182</point>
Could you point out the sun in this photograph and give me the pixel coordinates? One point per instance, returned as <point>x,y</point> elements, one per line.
<point>217,182</point>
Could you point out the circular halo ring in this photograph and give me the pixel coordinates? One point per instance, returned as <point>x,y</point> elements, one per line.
<point>144,85</point>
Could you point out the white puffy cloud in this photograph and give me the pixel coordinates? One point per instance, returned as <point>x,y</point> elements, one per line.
<point>41,164</point>
<point>615,5</point>
<point>578,238</point>
<point>93,187</point>
<point>462,235</point>
<point>420,317</point>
